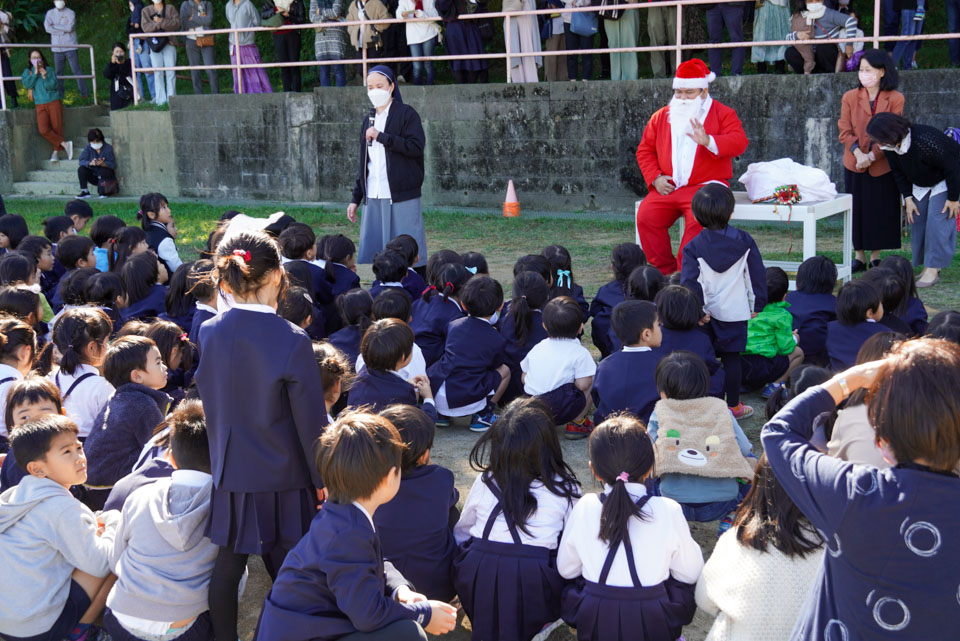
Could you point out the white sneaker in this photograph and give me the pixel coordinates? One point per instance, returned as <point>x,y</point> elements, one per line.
<point>68,145</point>
<point>54,157</point>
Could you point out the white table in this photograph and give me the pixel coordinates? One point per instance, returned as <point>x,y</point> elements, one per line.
<point>806,212</point>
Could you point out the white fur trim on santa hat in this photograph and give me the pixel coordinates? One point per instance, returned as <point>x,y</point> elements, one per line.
<point>694,83</point>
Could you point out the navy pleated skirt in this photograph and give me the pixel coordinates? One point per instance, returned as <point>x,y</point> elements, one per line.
<point>258,522</point>
<point>509,591</point>
<point>610,613</point>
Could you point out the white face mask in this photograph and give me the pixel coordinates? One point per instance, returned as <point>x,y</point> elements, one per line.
<point>59,4</point>
<point>157,1</point>
<point>378,97</point>
<point>900,149</point>
<point>869,79</point>
<point>96,145</point>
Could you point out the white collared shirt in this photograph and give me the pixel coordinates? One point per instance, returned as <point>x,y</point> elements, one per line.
<point>190,478</point>
<point>638,348</point>
<point>6,371</point>
<point>206,308</point>
<point>377,184</point>
<point>366,514</point>
<point>418,365</point>
<point>554,362</point>
<point>544,525</point>
<point>255,307</point>
<point>87,399</point>
<point>662,544</point>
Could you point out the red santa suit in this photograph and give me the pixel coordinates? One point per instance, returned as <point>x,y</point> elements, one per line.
<point>690,165</point>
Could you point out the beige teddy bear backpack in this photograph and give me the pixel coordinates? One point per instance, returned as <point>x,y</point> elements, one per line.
<point>696,437</point>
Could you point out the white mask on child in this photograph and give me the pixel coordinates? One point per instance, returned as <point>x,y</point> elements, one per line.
<point>59,4</point>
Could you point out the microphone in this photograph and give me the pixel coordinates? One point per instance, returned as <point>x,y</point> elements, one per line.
<point>371,116</point>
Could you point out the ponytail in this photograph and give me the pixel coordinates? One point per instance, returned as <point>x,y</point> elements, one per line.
<point>355,307</point>
<point>450,280</point>
<point>244,261</point>
<point>560,269</point>
<point>122,246</point>
<point>530,293</point>
<point>14,334</point>
<point>336,249</point>
<point>621,452</point>
<point>625,258</point>
<point>74,330</point>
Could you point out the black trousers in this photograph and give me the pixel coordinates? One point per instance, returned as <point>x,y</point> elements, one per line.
<point>825,54</point>
<point>287,48</point>
<point>10,85</point>
<point>225,584</point>
<point>92,175</point>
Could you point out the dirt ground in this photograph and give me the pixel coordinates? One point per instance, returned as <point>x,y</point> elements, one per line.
<point>452,447</point>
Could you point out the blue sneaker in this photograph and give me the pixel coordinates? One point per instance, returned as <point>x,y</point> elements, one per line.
<point>769,389</point>
<point>482,421</point>
<point>442,421</point>
<point>919,14</point>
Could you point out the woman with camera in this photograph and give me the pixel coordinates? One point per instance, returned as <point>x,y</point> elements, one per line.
<point>41,82</point>
<point>118,72</point>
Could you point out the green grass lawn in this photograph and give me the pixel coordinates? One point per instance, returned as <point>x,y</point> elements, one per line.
<point>501,240</point>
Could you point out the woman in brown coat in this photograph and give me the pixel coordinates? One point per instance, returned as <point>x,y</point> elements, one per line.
<point>876,199</point>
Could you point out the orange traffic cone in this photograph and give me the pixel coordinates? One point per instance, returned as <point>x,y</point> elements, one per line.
<point>511,207</point>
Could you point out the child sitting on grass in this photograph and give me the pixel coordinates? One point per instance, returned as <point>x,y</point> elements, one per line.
<point>772,351</point>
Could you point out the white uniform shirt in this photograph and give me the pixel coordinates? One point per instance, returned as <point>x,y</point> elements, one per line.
<point>662,545</point>
<point>6,372</point>
<point>377,184</point>
<point>544,525</point>
<point>418,365</point>
<point>554,362</point>
<point>87,399</point>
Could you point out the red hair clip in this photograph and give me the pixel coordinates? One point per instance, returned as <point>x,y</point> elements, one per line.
<point>244,254</point>
<point>450,285</point>
<point>184,337</point>
<point>429,287</point>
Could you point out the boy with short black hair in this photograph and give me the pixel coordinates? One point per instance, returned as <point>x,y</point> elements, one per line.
<point>625,379</point>
<point>423,513</point>
<point>559,370</point>
<point>54,546</point>
<point>772,350</point>
<point>134,367</point>
<point>387,348</point>
<point>161,555</point>
<point>393,303</point>
<point>80,212</point>
<point>390,268</point>
<point>72,253</point>
<point>407,246</point>
<point>335,582</point>
<point>297,243</point>
<point>56,228</point>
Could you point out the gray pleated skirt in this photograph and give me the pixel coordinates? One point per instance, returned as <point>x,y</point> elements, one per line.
<point>382,220</point>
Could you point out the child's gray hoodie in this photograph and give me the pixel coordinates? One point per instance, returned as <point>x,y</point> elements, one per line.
<point>45,533</point>
<point>161,556</point>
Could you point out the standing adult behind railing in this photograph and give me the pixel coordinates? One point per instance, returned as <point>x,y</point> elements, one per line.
<point>575,42</point>
<point>422,37</point>
<point>662,29</point>
<point>330,43</point>
<point>370,36</point>
<point>286,42</point>
<point>772,22</point>
<point>41,83</point>
<point>242,14</point>
<point>60,23</point>
<point>463,39</point>
<point>820,25</point>
<point>140,56</point>
<point>623,32</point>
<point>6,35</point>
<point>524,38</point>
<point>155,20</point>
<point>197,15</point>
<point>729,15</point>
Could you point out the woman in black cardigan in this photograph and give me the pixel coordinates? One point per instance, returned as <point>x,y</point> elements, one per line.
<point>391,170</point>
<point>926,166</point>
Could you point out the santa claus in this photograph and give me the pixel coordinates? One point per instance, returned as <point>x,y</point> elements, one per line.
<point>686,144</point>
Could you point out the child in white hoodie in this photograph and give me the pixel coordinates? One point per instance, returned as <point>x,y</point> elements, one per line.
<point>161,555</point>
<point>53,547</point>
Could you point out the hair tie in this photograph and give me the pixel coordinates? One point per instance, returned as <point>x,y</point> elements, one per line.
<point>184,336</point>
<point>113,241</point>
<point>139,213</point>
<point>244,254</point>
<point>523,296</point>
<point>472,270</point>
<point>448,284</point>
<point>561,273</point>
<point>429,287</point>
<point>623,476</point>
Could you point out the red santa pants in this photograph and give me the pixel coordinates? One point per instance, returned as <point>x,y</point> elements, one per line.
<point>655,216</point>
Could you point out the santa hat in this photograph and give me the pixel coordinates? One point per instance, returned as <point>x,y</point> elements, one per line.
<point>693,74</point>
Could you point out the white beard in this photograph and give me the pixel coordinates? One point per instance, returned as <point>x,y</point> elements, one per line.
<point>682,112</point>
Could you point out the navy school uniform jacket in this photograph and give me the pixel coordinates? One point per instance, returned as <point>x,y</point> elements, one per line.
<point>200,316</point>
<point>347,340</point>
<point>895,324</point>
<point>844,341</point>
<point>626,381</point>
<point>430,322</point>
<point>414,283</point>
<point>811,313</point>
<point>156,234</point>
<point>150,306</point>
<point>335,582</point>
<point>608,297</point>
<point>380,389</point>
<point>721,249</point>
<point>184,322</point>
<point>514,353</point>
<point>263,398</point>
<point>378,288</point>
<point>474,349</point>
<point>344,279</point>
<point>50,281</point>
<point>419,530</point>
<point>916,316</point>
<point>121,430</point>
<point>322,288</point>
<point>699,343</point>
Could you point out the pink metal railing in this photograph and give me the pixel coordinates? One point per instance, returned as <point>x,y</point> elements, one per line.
<point>90,76</point>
